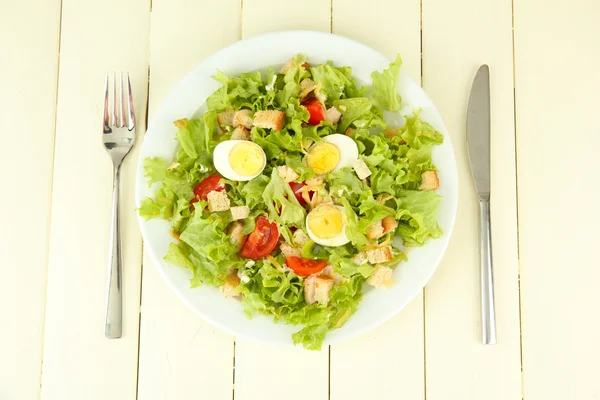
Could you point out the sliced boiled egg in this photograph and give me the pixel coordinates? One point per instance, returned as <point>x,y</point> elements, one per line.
<point>333,153</point>
<point>326,225</point>
<point>239,160</point>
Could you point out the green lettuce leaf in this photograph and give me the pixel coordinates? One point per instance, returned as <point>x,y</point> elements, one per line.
<point>155,169</point>
<point>385,87</point>
<point>282,203</point>
<point>418,216</point>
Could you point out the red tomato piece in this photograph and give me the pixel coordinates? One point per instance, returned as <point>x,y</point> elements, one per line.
<point>209,184</point>
<point>316,111</point>
<point>297,189</point>
<point>305,267</point>
<point>262,240</point>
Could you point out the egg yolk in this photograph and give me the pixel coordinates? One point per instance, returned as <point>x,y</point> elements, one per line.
<point>323,158</point>
<point>325,221</point>
<point>246,159</point>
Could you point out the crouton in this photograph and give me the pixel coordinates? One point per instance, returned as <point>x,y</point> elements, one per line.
<point>287,174</point>
<point>289,251</point>
<point>380,228</point>
<point>239,212</point>
<point>240,133</point>
<point>230,287</point>
<point>390,132</point>
<point>389,224</point>
<point>269,119</point>
<point>225,118</point>
<point>379,255</point>
<point>429,181</point>
<point>375,231</point>
<point>242,118</point>
<point>218,201</point>
<point>332,115</point>
<point>361,169</point>
<point>380,276</point>
<point>360,259</point>
<point>299,237</point>
<point>317,288</point>
<point>235,232</point>
<point>348,131</point>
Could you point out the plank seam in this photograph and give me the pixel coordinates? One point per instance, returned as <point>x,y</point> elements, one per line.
<point>60,18</point>
<point>517,197</point>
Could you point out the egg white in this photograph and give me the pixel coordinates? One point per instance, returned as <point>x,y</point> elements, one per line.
<point>347,147</point>
<point>339,240</point>
<point>221,160</point>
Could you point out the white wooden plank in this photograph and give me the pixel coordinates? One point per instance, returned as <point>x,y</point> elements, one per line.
<point>97,36</point>
<point>458,36</point>
<point>270,377</point>
<point>390,357</point>
<point>557,59</point>
<point>27,107</point>
<point>260,16</point>
<point>182,356</point>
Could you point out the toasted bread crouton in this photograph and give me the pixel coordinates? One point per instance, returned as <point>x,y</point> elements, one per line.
<point>429,181</point>
<point>287,174</point>
<point>390,132</point>
<point>389,224</point>
<point>360,259</point>
<point>242,118</point>
<point>289,251</point>
<point>239,212</point>
<point>299,237</point>
<point>332,115</point>
<point>380,276</point>
<point>240,133</point>
<point>235,232</point>
<point>230,287</point>
<point>361,169</point>
<point>225,118</point>
<point>218,201</point>
<point>348,131</point>
<point>379,255</point>
<point>375,231</point>
<point>380,228</point>
<point>269,119</point>
<point>317,288</point>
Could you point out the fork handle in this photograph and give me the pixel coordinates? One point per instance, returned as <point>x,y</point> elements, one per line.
<point>114,299</point>
<point>488,317</point>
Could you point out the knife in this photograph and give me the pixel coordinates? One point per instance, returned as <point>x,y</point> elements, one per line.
<point>478,146</point>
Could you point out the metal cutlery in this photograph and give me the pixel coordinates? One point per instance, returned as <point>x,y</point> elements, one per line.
<point>118,138</point>
<point>478,146</point>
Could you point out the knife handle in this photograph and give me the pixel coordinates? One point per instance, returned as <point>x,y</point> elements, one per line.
<point>488,315</point>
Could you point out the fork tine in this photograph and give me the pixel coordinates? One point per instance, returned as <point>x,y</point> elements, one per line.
<point>123,113</point>
<point>131,111</point>
<point>114,87</point>
<point>105,114</point>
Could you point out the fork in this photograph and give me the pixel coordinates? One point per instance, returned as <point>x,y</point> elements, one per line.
<point>118,138</point>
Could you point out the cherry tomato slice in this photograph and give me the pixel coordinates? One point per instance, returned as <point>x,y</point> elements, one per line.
<point>297,189</point>
<point>303,266</point>
<point>263,239</point>
<point>316,111</point>
<point>209,184</point>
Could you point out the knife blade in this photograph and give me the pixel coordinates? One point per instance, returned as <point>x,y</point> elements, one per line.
<point>478,147</point>
<point>478,131</point>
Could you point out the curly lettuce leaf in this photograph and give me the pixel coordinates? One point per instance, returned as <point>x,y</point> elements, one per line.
<point>282,203</point>
<point>155,169</point>
<point>385,87</point>
<point>418,216</point>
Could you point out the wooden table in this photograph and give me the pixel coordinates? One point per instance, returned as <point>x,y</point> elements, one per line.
<point>545,66</point>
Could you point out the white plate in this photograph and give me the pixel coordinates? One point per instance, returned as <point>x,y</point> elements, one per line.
<point>257,53</point>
